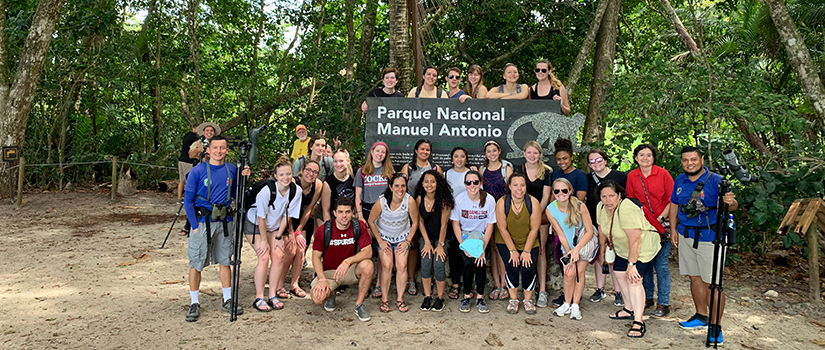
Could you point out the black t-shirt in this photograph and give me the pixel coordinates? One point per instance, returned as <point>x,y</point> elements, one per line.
<point>188,140</point>
<point>536,188</point>
<point>379,92</point>
<point>592,198</point>
<point>339,189</point>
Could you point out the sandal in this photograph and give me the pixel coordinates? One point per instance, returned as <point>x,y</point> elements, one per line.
<point>512,307</point>
<point>503,294</point>
<point>495,294</point>
<point>259,305</point>
<point>186,233</point>
<point>275,303</point>
<point>615,316</point>
<point>377,292</point>
<point>529,307</point>
<point>641,330</point>
<point>281,293</point>
<point>411,288</point>
<point>402,306</point>
<point>453,292</point>
<point>385,306</point>
<point>298,292</point>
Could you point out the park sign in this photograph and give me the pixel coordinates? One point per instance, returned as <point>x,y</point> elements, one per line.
<point>448,123</point>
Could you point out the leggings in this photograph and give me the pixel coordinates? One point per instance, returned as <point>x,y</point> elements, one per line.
<point>528,274</point>
<point>433,265</point>
<point>471,269</point>
<point>309,228</point>
<point>454,257</point>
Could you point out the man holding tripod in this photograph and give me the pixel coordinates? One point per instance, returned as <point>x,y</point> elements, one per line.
<point>694,215</point>
<point>208,195</point>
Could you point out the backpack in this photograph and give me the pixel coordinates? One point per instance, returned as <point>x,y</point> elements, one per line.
<point>252,192</point>
<point>324,163</point>
<point>504,165</point>
<point>438,92</point>
<point>356,233</point>
<point>509,199</point>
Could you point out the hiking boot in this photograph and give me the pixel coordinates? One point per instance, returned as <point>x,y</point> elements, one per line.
<point>649,302</point>
<point>562,310</point>
<point>482,306</point>
<point>438,305</point>
<point>465,305</point>
<point>575,313</point>
<point>661,311</point>
<point>427,304</point>
<point>194,312</point>
<point>695,322</point>
<point>558,301</point>
<point>598,295</point>
<point>541,301</point>
<point>227,307</point>
<point>329,305</point>
<point>361,312</point>
<point>619,300</point>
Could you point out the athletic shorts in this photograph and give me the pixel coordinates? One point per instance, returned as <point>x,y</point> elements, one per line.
<point>620,265</point>
<point>699,261</point>
<point>183,169</point>
<point>219,252</point>
<point>350,278</point>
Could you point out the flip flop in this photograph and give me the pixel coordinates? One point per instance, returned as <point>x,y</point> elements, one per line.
<point>377,292</point>
<point>260,303</point>
<point>298,292</point>
<point>411,288</point>
<point>282,294</point>
<point>183,233</point>
<point>275,303</point>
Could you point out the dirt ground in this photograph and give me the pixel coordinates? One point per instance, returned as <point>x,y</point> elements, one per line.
<point>80,272</point>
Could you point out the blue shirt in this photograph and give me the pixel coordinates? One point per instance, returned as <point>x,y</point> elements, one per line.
<point>683,190</point>
<point>569,231</point>
<point>457,94</point>
<point>576,177</point>
<point>196,190</point>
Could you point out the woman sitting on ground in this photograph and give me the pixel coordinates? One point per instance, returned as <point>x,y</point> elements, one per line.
<point>435,201</point>
<point>549,87</point>
<point>511,89</point>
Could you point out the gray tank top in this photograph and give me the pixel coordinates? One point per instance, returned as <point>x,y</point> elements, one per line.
<point>415,176</point>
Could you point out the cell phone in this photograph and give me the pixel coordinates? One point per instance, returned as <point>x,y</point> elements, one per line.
<point>605,269</point>
<point>565,260</point>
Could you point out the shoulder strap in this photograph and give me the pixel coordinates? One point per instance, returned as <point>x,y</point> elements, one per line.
<point>438,92</point>
<point>504,165</point>
<point>612,219</point>
<point>273,191</point>
<point>529,203</point>
<point>327,235</point>
<point>508,200</point>
<point>417,91</point>
<point>596,178</point>
<point>229,181</point>
<point>301,161</point>
<point>644,188</point>
<point>356,233</point>
<point>518,88</point>
<point>501,89</point>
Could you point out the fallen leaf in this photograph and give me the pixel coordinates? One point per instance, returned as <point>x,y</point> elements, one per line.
<point>820,325</point>
<point>818,342</point>
<point>417,330</point>
<point>127,263</point>
<point>534,322</point>
<point>172,282</point>
<point>492,340</point>
<point>209,292</point>
<point>754,347</point>
<point>143,257</point>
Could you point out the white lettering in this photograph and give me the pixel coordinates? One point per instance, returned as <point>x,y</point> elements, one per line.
<point>381,111</point>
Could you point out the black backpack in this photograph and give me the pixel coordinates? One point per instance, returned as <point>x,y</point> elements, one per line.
<point>528,200</point>
<point>252,192</point>
<point>356,232</point>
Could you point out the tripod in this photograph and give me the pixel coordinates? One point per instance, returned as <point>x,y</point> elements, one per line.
<point>725,237</point>
<point>240,223</point>
<point>170,227</point>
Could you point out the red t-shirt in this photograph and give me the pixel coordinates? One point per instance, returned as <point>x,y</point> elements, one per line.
<point>341,244</point>
<point>659,186</point>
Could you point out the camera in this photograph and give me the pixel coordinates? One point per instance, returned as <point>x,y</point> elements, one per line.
<point>732,165</point>
<point>693,208</point>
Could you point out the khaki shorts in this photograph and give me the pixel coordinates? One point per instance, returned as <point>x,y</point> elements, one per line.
<point>183,169</point>
<point>350,278</point>
<point>699,261</point>
<point>219,252</point>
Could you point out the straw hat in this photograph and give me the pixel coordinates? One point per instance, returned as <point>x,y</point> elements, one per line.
<point>213,125</point>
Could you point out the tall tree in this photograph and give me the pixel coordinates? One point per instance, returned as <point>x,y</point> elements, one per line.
<point>602,69</point>
<point>400,43</point>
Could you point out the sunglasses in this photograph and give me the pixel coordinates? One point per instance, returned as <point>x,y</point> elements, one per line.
<point>453,76</point>
<point>563,190</point>
<point>596,160</point>
<point>399,175</point>
<point>474,183</point>
<point>542,70</point>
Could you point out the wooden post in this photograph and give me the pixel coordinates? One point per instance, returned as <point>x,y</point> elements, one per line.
<point>20,183</point>
<point>813,264</point>
<point>114,178</point>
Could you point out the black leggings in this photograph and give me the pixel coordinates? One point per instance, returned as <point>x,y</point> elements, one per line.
<point>471,269</point>
<point>454,257</point>
<point>528,274</point>
<point>309,228</point>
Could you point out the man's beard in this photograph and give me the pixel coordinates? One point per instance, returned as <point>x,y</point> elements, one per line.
<point>302,138</point>
<point>694,173</point>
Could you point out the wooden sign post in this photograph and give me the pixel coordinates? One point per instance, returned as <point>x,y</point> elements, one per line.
<point>809,217</point>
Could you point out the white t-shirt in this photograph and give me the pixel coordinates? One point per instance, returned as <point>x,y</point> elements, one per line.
<point>456,181</point>
<point>272,214</point>
<point>472,218</point>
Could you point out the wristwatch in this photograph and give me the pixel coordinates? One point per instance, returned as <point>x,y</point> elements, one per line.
<point>631,263</point>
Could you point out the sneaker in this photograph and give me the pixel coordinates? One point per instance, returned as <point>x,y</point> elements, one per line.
<point>360,311</point>
<point>716,336</point>
<point>465,305</point>
<point>558,301</point>
<point>482,306</point>
<point>329,305</point>
<point>438,305</point>
<point>619,300</point>
<point>227,307</point>
<point>575,313</point>
<point>542,299</point>
<point>695,322</point>
<point>427,304</point>
<point>562,310</point>
<point>194,312</point>
<point>529,308</point>
<point>512,307</point>
<point>598,295</point>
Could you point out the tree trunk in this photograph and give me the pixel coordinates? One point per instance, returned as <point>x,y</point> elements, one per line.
<point>5,73</point>
<point>156,94</point>
<point>18,103</point>
<point>584,51</point>
<point>367,36</point>
<point>806,73</point>
<point>602,69</point>
<point>350,8</point>
<point>686,38</point>
<point>319,31</point>
<point>400,43</point>
<point>195,52</point>
<point>253,84</point>
<point>413,10</point>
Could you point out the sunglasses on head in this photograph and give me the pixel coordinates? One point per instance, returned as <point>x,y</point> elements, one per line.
<point>596,160</point>
<point>453,76</point>
<point>474,182</point>
<point>542,70</point>
<point>563,190</point>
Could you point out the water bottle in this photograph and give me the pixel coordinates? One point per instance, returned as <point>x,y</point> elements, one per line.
<point>731,238</point>
<point>731,223</point>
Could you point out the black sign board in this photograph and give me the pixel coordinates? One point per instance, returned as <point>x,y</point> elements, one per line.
<point>448,123</point>
<point>11,154</point>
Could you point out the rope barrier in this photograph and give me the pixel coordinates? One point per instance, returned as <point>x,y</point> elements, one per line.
<point>151,166</point>
<point>87,163</point>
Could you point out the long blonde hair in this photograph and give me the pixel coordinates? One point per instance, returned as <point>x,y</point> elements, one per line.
<point>469,88</point>
<point>574,215</point>
<point>542,167</point>
<point>554,82</point>
<point>349,162</point>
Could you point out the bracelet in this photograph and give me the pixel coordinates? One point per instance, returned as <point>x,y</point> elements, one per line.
<point>346,262</point>
<point>512,250</point>
<point>297,233</point>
